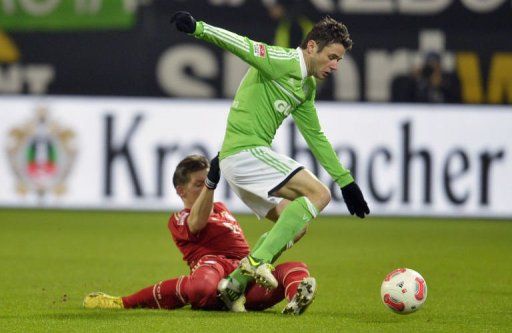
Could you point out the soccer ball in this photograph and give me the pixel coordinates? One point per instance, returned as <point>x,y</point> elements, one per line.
<point>403,291</point>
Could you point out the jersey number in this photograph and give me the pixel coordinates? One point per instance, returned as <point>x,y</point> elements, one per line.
<point>232,227</point>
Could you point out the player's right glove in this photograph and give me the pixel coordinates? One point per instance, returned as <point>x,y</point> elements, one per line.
<point>184,22</point>
<point>354,200</point>
<point>213,177</point>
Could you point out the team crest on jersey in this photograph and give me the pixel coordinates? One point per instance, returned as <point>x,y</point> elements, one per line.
<point>41,154</point>
<point>259,50</point>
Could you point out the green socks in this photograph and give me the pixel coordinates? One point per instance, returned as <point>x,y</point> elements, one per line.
<point>241,278</point>
<point>271,244</point>
<point>292,220</point>
<point>263,237</point>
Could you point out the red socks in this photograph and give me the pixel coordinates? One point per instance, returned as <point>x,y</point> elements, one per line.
<point>289,275</point>
<point>200,289</point>
<point>163,295</point>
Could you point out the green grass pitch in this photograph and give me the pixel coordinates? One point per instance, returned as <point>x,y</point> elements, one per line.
<point>50,259</point>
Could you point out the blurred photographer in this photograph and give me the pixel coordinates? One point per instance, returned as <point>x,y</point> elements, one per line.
<point>427,84</point>
<point>434,86</point>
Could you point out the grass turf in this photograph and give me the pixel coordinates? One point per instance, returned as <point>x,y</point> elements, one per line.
<point>50,259</point>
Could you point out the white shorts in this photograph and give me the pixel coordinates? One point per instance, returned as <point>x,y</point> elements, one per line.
<point>255,173</point>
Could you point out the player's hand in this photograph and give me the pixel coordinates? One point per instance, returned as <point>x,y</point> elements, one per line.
<point>354,200</point>
<point>184,22</point>
<point>213,177</point>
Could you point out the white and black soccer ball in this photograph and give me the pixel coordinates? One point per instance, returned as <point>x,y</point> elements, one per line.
<point>403,291</point>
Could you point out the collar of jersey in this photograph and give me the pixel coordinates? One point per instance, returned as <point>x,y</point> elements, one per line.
<point>303,69</point>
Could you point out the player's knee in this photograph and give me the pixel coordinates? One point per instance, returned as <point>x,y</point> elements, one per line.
<point>322,197</point>
<point>202,289</point>
<point>200,294</point>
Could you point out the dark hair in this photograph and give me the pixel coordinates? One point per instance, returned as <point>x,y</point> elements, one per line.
<point>189,164</point>
<point>328,31</point>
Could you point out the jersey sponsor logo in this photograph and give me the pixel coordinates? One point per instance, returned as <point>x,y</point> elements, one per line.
<point>282,107</point>
<point>259,50</point>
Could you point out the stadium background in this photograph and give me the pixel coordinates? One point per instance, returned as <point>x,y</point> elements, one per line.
<point>100,99</point>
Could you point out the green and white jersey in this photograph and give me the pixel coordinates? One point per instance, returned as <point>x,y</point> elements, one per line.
<point>275,86</point>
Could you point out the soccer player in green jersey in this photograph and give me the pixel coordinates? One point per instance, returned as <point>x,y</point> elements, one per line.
<point>279,83</point>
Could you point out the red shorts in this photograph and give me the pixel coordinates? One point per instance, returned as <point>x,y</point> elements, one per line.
<point>222,264</point>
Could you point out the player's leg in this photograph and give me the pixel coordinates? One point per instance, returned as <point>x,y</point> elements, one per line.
<point>308,197</point>
<point>255,175</point>
<point>163,295</point>
<point>286,247</point>
<point>258,298</point>
<point>274,213</point>
<point>232,288</point>
<point>304,296</point>
<point>300,288</point>
<point>167,294</point>
<point>291,276</point>
<point>202,285</point>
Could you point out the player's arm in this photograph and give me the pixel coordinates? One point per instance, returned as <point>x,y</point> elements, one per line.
<point>273,61</point>
<point>202,207</point>
<point>306,119</point>
<point>200,211</point>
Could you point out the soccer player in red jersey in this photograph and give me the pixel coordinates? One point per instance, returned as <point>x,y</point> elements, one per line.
<point>212,243</point>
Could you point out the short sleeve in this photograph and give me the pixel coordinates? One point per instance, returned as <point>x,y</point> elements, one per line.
<point>178,226</point>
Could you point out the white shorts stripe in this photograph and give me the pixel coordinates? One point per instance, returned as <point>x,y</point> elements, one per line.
<point>274,160</point>
<point>267,160</point>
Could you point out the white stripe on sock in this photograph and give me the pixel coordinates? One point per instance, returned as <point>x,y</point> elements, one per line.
<point>154,294</point>
<point>298,269</point>
<point>311,208</point>
<point>286,290</point>
<point>178,290</point>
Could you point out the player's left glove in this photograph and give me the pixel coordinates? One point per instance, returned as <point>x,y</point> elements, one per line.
<point>213,177</point>
<point>354,200</point>
<point>184,22</point>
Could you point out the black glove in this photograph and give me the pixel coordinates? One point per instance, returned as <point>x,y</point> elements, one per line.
<point>354,200</point>
<point>213,177</point>
<point>184,22</point>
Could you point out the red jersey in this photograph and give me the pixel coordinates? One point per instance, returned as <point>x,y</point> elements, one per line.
<point>222,235</point>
